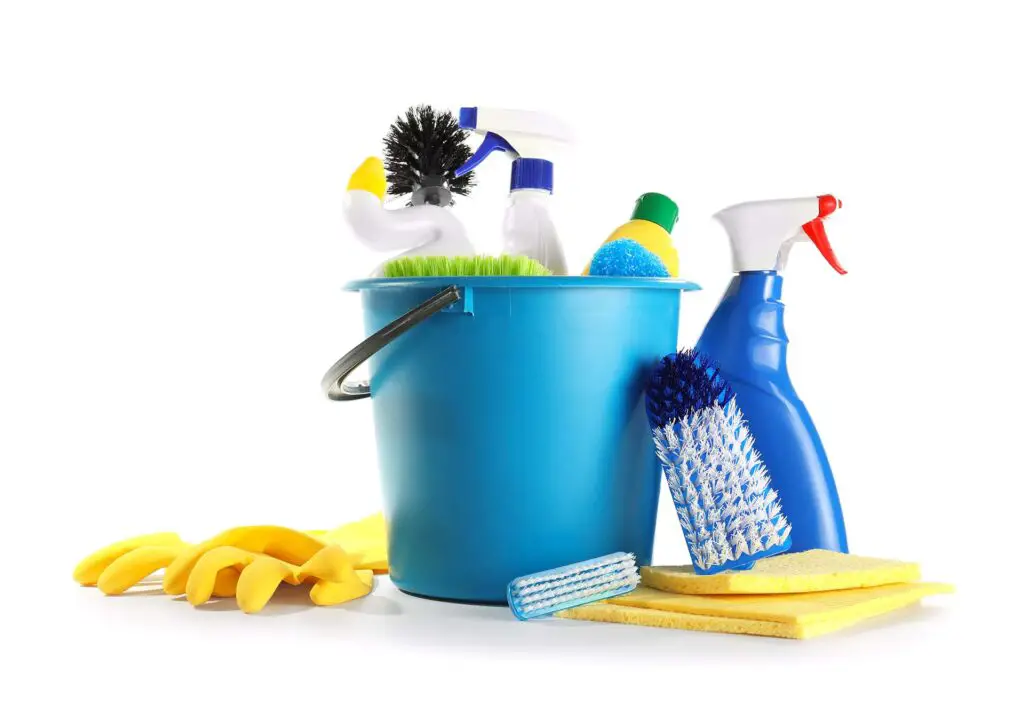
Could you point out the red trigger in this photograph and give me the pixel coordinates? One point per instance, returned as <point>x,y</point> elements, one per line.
<point>815,230</point>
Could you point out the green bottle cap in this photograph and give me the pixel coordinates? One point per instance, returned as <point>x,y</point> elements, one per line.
<point>656,208</point>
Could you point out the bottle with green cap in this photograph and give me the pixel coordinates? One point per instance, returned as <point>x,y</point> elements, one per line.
<point>654,217</point>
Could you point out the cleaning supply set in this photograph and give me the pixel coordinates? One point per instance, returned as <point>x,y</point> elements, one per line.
<point>508,406</point>
<point>524,417</point>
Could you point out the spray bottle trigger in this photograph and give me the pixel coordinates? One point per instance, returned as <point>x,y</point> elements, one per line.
<point>815,230</point>
<point>491,143</point>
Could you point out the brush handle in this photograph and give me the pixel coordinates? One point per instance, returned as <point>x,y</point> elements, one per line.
<point>334,385</point>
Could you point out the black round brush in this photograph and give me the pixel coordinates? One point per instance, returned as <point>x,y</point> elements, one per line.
<point>422,151</point>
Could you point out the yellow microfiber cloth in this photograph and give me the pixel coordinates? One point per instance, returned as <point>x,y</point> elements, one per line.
<point>804,572</point>
<point>798,616</point>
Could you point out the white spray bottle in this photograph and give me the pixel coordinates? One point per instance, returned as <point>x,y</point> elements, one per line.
<point>529,137</point>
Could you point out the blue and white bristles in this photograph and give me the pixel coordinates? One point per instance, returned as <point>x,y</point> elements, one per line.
<point>544,593</point>
<point>728,511</point>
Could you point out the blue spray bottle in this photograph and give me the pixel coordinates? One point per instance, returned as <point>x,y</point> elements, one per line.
<point>746,337</point>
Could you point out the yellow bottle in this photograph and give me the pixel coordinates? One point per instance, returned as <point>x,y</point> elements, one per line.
<point>654,216</point>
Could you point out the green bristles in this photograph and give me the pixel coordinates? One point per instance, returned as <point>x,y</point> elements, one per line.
<point>445,266</point>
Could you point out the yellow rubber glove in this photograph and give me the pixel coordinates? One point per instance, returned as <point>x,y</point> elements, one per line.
<point>264,557</point>
<point>255,555</point>
<point>259,575</point>
<point>365,541</point>
<point>121,565</point>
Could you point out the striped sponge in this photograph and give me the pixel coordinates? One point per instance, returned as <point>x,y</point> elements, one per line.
<point>728,511</point>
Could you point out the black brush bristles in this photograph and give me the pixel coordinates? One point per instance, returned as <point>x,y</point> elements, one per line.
<point>682,384</point>
<point>424,148</point>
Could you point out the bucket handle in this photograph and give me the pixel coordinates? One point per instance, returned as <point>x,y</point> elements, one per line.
<point>334,384</point>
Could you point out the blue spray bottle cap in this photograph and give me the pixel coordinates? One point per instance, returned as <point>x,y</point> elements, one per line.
<point>529,133</point>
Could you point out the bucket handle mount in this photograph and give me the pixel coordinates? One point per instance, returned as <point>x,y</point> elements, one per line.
<point>334,383</point>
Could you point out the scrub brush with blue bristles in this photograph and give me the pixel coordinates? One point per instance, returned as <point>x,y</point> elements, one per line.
<point>544,593</point>
<point>728,511</point>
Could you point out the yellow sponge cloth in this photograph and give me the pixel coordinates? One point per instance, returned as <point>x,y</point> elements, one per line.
<point>785,616</point>
<point>816,570</point>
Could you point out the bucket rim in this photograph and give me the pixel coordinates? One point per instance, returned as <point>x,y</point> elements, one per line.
<point>523,281</point>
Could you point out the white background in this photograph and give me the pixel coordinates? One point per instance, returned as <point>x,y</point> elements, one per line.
<point>171,180</point>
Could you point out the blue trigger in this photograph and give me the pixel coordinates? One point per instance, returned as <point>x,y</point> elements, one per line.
<point>491,143</point>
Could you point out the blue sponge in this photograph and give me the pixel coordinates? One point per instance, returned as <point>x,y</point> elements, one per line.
<point>625,257</point>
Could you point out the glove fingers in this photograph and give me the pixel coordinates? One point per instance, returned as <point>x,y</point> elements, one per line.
<point>88,571</point>
<point>259,581</point>
<point>226,583</point>
<point>287,544</point>
<point>178,573</point>
<point>203,578</point>
<point>130,568</point>
<point>291,546</point>
<point>330,563</point>
<point>330,593</point>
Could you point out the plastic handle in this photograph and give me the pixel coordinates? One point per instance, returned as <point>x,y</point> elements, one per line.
<point>815,230</point>
<point>334,384</point>
<point>492,142</point>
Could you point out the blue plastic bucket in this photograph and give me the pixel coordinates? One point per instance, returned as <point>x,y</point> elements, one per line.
<point>510,424</point>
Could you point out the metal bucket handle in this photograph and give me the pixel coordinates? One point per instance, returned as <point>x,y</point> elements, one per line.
<point>334,384</point>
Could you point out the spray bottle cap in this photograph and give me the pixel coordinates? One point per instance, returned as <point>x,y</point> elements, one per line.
<point>527,136</point>
<point>762,232</point>
<point>656,208</point>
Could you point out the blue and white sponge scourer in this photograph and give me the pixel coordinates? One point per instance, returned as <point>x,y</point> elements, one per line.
<point>627,258</point>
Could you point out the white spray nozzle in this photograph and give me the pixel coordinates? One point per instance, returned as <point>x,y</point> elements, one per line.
<point>762,232</point>
<point>529,136</point>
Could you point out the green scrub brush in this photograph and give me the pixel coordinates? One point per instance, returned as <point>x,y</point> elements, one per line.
<point>455,266</point>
